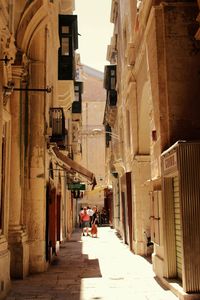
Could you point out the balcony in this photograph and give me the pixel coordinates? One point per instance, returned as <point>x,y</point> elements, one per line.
<point>111,98</point>
<point>110,77</point>
<point>110,80</point>
<point>68,35</point>
<point>57,125</point>
<point>77,103</point>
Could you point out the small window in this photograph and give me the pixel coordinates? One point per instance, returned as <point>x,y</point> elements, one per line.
<point>76,88</point>
<point>76,92</point>
<point>76,96</point>
<point>112,73</point>
<point>112,83</point>
<point>65,29</point>
<point>65,46</point>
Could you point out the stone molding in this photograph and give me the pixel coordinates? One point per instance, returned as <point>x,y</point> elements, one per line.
<point>36,16</point>
<point>3,244</point>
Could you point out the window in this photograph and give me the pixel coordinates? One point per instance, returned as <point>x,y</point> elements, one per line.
<point>110,77</point>
<point>112,83</point>
<point>112,80</point>
<point>112,73</point>
<point>77,103</point>
<point>65,29</point>
<point>76,92</point>
<point>65,46</point>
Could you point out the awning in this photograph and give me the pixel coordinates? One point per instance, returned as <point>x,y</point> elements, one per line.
<point>73,166</point>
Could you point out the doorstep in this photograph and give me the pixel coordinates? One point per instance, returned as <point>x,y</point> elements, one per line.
<point>176,287</point>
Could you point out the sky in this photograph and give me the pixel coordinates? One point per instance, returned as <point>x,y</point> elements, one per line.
<point>95,29</point>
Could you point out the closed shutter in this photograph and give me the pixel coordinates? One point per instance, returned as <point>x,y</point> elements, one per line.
<point>155,216</point>
<point>177,220</point>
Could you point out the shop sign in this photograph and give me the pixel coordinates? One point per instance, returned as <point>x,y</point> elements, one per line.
<point>76,186</point>
<point>170,161</point>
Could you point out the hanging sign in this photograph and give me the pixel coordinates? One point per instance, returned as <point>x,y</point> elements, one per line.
<point>170,161</point>
<point>76,186</point>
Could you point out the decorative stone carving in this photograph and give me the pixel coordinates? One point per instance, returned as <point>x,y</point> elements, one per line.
<point>8,50</point>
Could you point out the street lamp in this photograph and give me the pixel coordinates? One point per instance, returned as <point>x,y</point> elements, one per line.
<point>95,131</point>
<point>102,131</point>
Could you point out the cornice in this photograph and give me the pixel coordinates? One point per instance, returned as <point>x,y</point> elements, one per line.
<point>114,11</point>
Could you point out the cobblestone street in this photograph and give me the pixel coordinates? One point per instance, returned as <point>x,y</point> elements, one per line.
<point>93,268</point>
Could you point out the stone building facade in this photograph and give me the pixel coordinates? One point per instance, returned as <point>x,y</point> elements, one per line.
<point>154,167</point>
<point>92,138</point>
<point>38,88</point>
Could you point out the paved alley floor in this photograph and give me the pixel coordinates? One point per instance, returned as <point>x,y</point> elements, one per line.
<point>93,268</point>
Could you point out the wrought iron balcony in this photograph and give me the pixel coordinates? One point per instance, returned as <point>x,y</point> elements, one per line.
<point>57,125</point>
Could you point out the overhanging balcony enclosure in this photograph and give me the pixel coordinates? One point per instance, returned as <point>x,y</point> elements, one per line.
<point>68,35</point>
<point>111,98</point>
<point>77,103</point>
<point>110,79</point>
<point>57,125</point>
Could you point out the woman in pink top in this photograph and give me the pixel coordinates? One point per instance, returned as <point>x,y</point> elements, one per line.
<point>85,220</point>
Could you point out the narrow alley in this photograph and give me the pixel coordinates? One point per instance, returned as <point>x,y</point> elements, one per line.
<point>93,268</point>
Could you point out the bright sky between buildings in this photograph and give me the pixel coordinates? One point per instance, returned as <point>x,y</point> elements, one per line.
<point>95,29</point>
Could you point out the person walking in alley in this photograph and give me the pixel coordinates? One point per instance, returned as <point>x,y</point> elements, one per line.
<point>90,213</point>
<point>85,221</point>
<point>94,222</point>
